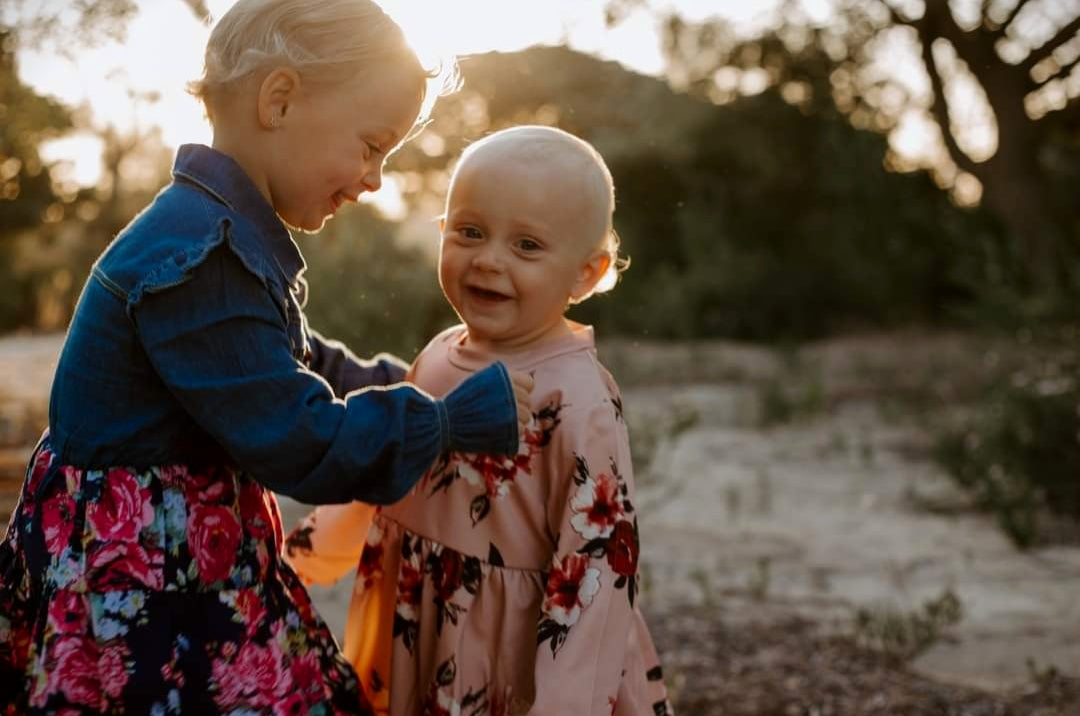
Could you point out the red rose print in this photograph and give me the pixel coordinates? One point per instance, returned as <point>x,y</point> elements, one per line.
<point>41,465</point>
<point>68,613</point>
<point>76,671</point>
<point>410,585</point>
<point>123,510</point>
<point>370,566</point>
<point>210,488</point>
<point>447,574</point>
<point>254,512</point>
<point>622,549</point>
<point>57,521</point>
<point>213,536</point>
<point>113,564</point>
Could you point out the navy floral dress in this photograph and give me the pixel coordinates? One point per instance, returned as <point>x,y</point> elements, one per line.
<point>156,594</point>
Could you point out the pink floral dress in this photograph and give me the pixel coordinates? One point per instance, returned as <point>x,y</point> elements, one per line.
<point>161,592</point>
<point>502,585</point>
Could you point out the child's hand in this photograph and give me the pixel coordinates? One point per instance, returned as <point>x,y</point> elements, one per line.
<point>523,385</point>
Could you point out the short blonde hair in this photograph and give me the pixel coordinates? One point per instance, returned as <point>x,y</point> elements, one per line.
<point>542,143</point>
<point>324,40</point>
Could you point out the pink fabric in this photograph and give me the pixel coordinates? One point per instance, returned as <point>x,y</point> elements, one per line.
<point>503,585</point>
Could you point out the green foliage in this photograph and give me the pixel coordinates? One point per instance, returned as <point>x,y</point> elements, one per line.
<point>1019,455</point>
<point>906,634</point>
<point>26,193</point>
<point>774,225</point>
<point>368,291</point>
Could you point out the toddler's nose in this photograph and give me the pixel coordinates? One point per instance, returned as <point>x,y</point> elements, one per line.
<point>489,257</point>
<point>372,180</point>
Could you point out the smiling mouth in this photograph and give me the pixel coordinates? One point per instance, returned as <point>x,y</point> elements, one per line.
<point>336,201</point>
<point>485,295</point>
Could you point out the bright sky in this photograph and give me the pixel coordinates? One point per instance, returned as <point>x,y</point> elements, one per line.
<point>165,42</point>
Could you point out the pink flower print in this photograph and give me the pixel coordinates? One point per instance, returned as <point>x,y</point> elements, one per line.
<point>261,671</point>
<point>229,688</point>
<point>123,510</point>
<point>58,521</point>
<point>76,671</point>
<point>571,586</point>
<point>68,613</point>
<point>597,506</point>
<point>113,669</point>
<point>214,537</point>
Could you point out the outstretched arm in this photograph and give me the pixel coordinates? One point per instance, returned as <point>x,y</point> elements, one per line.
<point>345,372</point>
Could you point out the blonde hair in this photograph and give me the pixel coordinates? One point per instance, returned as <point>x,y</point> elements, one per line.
<point>542,143</point>
<point>325,41</point>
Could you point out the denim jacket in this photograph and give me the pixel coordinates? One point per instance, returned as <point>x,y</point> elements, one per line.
<point>189,345</point>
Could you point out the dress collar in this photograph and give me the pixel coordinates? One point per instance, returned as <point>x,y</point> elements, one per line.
<point>466,356</point>
<point>219,175</point>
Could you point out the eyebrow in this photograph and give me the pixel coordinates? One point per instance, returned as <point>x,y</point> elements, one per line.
<point>385,137</point>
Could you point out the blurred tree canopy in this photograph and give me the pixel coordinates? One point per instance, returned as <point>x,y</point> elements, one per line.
<point>757,193</point>
<point>50,233</point>
<point>1009,64</point>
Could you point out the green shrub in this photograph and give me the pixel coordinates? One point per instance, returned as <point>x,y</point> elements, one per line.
<point>906,634</point>
<point>1019,454</point>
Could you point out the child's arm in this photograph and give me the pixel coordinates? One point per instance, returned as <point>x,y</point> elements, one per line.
<point>345,372</point>
<point>327,543</point>
<point>592,582</point>
<point>221,347</point>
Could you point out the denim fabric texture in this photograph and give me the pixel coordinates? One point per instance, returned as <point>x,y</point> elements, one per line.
<point>189,345</point>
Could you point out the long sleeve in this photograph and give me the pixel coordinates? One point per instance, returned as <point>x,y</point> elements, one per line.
<point>219,342</point>
<point>588,606</point>
<point>345,372</point>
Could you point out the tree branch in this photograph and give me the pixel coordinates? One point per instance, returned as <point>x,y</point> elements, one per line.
<point>1004,26</point>
<point>198,9</point>
<point>1043,51</point>
<point>939,104</point>
<point>1065,70</point>
<point>975,48</point>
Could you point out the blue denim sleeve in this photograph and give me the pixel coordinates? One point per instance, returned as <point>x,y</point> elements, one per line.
<point>345,372</point>
<point>219,341</point>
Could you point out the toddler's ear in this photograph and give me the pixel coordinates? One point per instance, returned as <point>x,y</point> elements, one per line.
<point>276,91</point>
<point>590,274</point>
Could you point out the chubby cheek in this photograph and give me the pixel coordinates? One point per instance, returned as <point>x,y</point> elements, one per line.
<point>448,277</point>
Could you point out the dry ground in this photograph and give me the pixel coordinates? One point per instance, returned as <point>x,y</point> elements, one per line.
<point>767,663</point>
